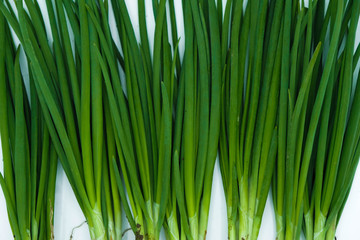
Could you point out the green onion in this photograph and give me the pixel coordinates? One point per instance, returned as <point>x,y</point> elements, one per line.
<point>201,116</point>
<point>142,123</point>
<point>336,158</point>
<point>30,159</point>
<point>315,110</point>
<point>74,117</point>
<point>250,96</point>
<point>149,136</point>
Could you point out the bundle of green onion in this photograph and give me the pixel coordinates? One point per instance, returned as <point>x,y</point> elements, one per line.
<point>69,87</point>
<point>318,122</point>
<point>156,128</point>
<point>198,117</point>
<point>335,159</point>
<point>250,96</point>
<point>142,121</point>
<point>30,159</point>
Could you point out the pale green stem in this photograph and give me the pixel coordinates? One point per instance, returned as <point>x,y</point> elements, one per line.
<point>232,230</point>
<point>256,228</point>
<point>140,223</point>
<point>280,229</point>
<point>156,208</point>
<point>118,232</point>
<point>149,228</point>
<point>330,235</point>
<point>204,215</point>
<point>173,227</point>
<point>244,218</point>
<point>289,232</point>
<point>319,231</point>
<point>111,232</point>
<point>194,226</point>
<point>309,226</point>
<point>35,229</point>
<point>182,234</point>
<point>97,229</point>
<point>252,208</point>
<point>150,231</point>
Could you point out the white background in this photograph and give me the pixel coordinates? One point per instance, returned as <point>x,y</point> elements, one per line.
<point>68,214</point>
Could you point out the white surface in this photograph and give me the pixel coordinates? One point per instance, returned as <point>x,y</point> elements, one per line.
<point>68,214</point>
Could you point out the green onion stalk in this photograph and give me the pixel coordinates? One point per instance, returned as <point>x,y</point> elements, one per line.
<point>197,121</point>
<point>149,125</point>
<point>311,93</point>
<point>30,159</point>
<point>69,85</point>
<point>249,103</point>
<point>337,155</point>
<point>141,111</point>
